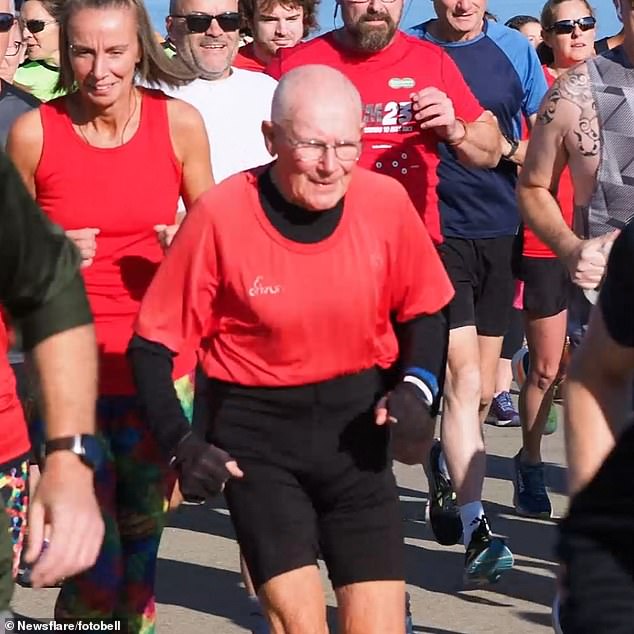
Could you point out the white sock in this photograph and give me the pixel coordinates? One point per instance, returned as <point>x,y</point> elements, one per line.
<point>442,465</point>
<point>469,514</point>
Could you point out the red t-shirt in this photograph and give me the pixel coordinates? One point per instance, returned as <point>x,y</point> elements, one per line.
<point>123,191</point>
<point>247,60</point>
<point>533,247</point>
<point>274,312</point>
<point>14,437</point>
<point>392,141</point>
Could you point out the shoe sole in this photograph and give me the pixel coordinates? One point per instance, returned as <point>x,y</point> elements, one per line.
<point>503,423</point>
<point>522,512</point>
<point>489,565</point>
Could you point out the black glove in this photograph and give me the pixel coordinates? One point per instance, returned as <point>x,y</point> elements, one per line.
<point>412,423</point>
<point>201,468</point>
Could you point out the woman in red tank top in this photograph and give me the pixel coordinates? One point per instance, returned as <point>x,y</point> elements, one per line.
<point>108,163</point>
<point>568,29</point>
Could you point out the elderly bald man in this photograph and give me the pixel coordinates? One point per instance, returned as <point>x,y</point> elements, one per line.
<point>290,276</point>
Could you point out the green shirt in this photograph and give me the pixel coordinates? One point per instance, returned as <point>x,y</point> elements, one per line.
<point>39,79</point>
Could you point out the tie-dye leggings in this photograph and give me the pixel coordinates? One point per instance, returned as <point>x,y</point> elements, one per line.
<point>15,495</point>
<point>133,490</point>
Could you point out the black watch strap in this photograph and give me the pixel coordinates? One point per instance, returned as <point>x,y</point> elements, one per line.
<point>86,446</point>
<point>514,143</point>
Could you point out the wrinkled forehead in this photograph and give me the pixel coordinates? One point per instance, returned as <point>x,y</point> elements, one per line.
<point>325,122</point>
<point>7,6</point>
<point>212,7</point>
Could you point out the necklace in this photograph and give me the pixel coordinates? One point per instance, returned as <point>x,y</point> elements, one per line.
<point>125,127</point>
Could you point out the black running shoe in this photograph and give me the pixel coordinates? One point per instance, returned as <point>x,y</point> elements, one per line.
<point>487,557</point>
<point>444,514</point>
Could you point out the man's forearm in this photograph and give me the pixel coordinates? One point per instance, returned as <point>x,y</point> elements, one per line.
<point>481,146</point>
<point>67,368</point>
<point>541,212</point>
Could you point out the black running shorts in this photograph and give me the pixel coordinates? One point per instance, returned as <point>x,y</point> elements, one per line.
<point>546,286</point>
<point>597,549</point>
<point>480,271</point>
<point>318,478</point>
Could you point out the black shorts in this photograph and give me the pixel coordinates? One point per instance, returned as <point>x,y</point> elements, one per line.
<point>480,271</point>
<point>546,286</point>
<point>597,549</point>
<point>318,478</point>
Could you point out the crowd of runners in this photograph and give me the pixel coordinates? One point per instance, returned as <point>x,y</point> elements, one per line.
<point>304,259</point>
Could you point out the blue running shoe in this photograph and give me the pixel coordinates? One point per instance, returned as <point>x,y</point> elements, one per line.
<point>487,557</point>
<point>444,514</point>
<point>530,497</point>
<point>502,412</point>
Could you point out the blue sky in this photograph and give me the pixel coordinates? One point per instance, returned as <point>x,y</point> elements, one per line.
<point>419,10</point>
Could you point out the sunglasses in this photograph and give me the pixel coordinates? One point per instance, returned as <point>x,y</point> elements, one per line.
<point>200,22</point>
<point>6,22</point>
<point>566,27</point>
<point>37,26</point>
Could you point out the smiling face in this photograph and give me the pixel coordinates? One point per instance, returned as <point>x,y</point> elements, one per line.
<point>578,46</point>
<point>212,53</point>
<point>43,45</point>
<point>104,51</point>
<point>276,26</point>
<point>460,19</point>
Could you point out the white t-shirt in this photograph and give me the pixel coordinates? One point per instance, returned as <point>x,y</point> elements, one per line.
<point>233,110</point>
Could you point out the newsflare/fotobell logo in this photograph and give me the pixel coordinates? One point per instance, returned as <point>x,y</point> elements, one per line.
<point>16,624</point>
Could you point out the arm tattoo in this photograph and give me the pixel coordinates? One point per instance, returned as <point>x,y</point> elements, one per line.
<point>574,87</point>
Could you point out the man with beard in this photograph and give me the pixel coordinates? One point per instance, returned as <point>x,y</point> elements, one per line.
<point>414,97</point>
<point>233,102</point>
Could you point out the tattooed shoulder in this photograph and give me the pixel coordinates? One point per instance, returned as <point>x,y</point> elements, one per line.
<point>574,88</point>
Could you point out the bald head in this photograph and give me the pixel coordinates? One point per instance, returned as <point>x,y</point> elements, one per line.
<point>314,87</point>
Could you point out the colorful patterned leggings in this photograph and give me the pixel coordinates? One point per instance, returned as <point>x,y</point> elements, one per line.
<point>133,488</point>
<point>14,490</point>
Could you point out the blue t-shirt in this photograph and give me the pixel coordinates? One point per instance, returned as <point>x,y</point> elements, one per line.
<point>503,71</point>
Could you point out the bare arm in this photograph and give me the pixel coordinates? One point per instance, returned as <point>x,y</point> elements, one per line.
<point>24,146</point>
<point>520,154</point>
<point>481,146</point>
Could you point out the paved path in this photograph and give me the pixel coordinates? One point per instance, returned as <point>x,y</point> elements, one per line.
<point>199,589</point>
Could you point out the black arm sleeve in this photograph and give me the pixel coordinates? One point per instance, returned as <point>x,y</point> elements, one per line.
<point>152,367</point>
<point>40,283</point>
<point>617,293</point>
<point>423,343</point>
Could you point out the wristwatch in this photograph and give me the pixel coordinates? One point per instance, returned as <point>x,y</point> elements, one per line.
<point>514,143</point>
<point>89,448</point>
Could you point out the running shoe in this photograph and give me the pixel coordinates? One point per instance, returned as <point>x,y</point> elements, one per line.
<point>259,624</point>
<point>530,497</point>
<point>556,615</point>
<point>409,623</point>
<point>552,422</point>
<point>502,412</point>
<point>444,514</point>
<point>487,557</point>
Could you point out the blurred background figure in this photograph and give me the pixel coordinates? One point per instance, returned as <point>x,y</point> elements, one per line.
<point>529,26</point>
<point>14,55</point>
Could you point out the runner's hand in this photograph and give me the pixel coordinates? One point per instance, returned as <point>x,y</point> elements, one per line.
<point>203,468</point>
<point>410,418</point>
<point>588,261</point>
<point>433,109</point>
<point>64,511</point>
<point>165,233</point>
<point>86,241</point>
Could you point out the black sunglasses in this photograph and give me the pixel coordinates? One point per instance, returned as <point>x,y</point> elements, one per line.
<point>566,27</point>
<point>200,22</point>
<point>36,26</point>
<point>6,22</point>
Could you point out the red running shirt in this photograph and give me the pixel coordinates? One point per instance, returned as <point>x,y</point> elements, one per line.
<point>533,246</point>
<point>281,313</point>
<point>247,60</point>
<point>14,438</point>
<point>392,142</point>
<point>123,191</point>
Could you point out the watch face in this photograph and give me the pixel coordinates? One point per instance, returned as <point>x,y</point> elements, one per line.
<point>93,452</point>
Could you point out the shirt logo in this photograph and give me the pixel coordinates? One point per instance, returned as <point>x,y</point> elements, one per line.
<point>258,288</point>
<point>401,82</point>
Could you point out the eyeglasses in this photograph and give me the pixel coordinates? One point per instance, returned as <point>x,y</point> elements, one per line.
<point>312,151</point>
<point>12,51</point>
<point>566,27</point>
<point>200,22</point>
<point>37,26</point>
<point>6,22</point>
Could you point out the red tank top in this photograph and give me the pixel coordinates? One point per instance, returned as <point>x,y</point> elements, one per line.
<point>14,438</point>
<point>123,191</point>
<point>533,246</point>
